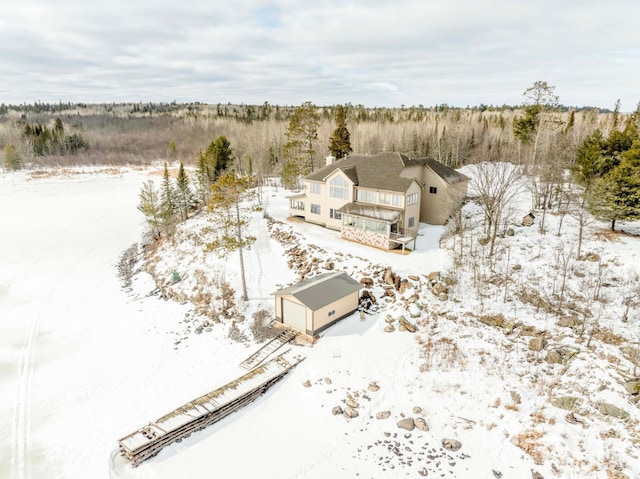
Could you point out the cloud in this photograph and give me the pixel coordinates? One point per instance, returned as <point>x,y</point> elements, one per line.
<point>378,53</point>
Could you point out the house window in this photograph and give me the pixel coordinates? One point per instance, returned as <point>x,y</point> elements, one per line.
<point>385,198</point>
<point>314,188</point>
<point>315,209</point>
<point>332,312</point>
<point>339,188</point>
<point>396,200</point>
<point>433,190</point>
<point>412,199</point>
<point>297,205</point>
<point>411,222</point>
<point>367,196</point>
<point>375,226</point>
<point>352,221</point>
<point>335,214</point>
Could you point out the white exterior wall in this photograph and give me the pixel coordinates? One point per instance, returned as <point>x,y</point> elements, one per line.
<point>336,203</point>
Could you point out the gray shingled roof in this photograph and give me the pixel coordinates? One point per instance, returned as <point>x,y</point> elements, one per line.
<point>448,174</point>
<point>379,172</point>
<point>323,289</point>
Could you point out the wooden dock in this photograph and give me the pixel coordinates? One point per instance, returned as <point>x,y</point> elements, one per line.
<point>196,415</point>
<point>268,349</point>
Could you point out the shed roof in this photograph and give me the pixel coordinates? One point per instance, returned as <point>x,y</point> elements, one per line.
<point>322,290</point>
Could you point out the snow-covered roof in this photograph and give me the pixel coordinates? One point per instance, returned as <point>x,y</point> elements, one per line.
<point>322,290</point>
<point>388,215</point>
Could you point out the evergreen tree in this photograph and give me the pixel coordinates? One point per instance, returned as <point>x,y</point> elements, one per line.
<point>185,198</point>
<point>302,135</point>
<point>228,194</point>
<point>168,203</point>
<point>340,141</point>
<point>12,159</point>
<point>617,194</point>
<point>289,175</point>
<point>588,165</point>
<point>150,207</point>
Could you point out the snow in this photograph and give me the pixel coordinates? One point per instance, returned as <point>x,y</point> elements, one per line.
<point>84,363</point>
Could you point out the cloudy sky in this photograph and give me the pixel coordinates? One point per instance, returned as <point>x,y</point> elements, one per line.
<point>371,52</point>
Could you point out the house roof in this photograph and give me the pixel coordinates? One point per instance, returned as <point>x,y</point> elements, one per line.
<point>323,289</point>
<point>379,172</point>
<point>448,174</point>
<point>381,213</point>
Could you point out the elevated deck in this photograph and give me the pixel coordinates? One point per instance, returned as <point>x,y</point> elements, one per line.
<point>196,415</point>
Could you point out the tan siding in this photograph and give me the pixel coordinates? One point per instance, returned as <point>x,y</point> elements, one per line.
<point>413,210</point>
<point>341,307</point>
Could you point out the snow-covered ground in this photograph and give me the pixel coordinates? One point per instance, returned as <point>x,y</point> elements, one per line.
<point>83,363</point>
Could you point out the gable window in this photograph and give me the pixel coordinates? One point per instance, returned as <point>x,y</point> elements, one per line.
<point>314,188</point>
<point>315,209</point>
<point>411,222</point>
<point>335,214</point>
<point>367,196</point>
<point>412,199</point>
<point>433,190</point>
<point>339,188</point>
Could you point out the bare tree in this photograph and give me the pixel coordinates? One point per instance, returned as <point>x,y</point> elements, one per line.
<point>495,185</point>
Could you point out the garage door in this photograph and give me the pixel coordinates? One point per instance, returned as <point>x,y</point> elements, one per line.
<point>294,315</point>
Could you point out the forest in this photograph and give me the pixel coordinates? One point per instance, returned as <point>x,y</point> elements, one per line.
<point>600,147</point>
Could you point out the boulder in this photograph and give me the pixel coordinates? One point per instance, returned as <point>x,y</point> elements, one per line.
<point>554,357</point>
<point>434,276</point>
<point>443,297</point>
<point>568,322</point>
<point>537,344</point>
<point>350,412</point>
<point>383,414</point>
<point>368,282</point>
<point>613,411</point>
<point>536,475</point>
<point>439,288</point>
<point>413,311</point>
<point>565,402</point>
<point>327,380</point>
<point>406,423</point>
<point>404,286</point>
<point>336,411</point>
<point>451,444</point>
<point>352,403</point>
<point>593,257</point>
<point>307,384</point>
<point>414,277</point>
<point>388,277</point>
<point>421,424</point>
<point>510,232</point>
<point>373,386</point>
<point>528,219</point>
<point>406,324</point>
<point>633,387</point>
<point>389,328</point>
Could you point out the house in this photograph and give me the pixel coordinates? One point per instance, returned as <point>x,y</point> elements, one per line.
<point>316,303</point>
<point>380,199</point>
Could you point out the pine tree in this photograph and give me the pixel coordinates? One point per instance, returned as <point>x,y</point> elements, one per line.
<point>168,203</point>
<point>617,194</point>
<point>302,134</point>
<point>185,198</point>
<point>150,207</point>
<point>340,141</point>
<point>227,196</point>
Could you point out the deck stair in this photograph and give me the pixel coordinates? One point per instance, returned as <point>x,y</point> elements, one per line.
<point>268,349</point>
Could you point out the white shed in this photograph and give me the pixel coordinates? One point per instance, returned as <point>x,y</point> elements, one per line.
<point>316,303</point>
